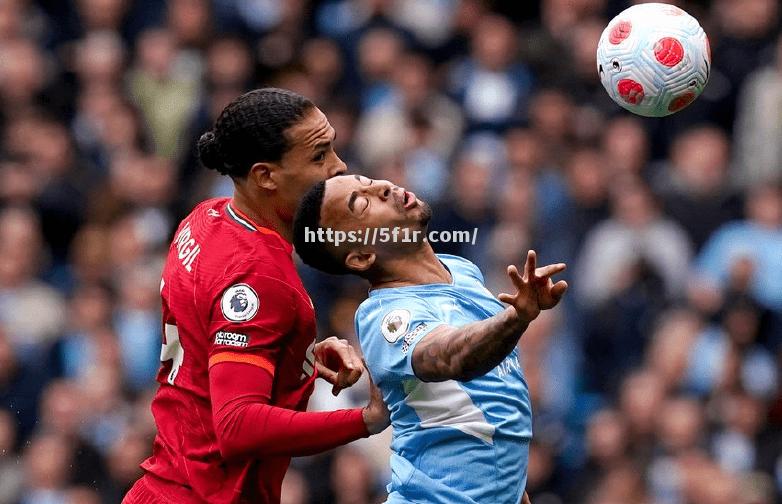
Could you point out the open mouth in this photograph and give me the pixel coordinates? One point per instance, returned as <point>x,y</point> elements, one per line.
<point>409,200</point>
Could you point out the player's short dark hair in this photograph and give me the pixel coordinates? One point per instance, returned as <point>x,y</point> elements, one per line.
<point>251,130</point>
<point>319,255</point>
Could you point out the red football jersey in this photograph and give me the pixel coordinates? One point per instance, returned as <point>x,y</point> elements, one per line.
<point>230,293</point>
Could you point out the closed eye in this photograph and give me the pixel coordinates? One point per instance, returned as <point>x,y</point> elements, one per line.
<point>357,203</point>
<point>362,207</point>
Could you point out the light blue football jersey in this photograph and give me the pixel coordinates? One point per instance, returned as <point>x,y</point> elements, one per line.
<point>453,442</point>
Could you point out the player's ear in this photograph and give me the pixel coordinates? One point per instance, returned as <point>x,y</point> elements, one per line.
<point>261,175</point>
<point>359,260</point>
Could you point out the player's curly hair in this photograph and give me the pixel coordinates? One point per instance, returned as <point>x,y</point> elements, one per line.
<point>251,129</point>
<point>319,255</point>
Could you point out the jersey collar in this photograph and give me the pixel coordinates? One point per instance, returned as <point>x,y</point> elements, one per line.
<point>375,291</point>
<point>239,217</point>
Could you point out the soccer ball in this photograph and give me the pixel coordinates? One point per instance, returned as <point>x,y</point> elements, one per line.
<point>653,59</point>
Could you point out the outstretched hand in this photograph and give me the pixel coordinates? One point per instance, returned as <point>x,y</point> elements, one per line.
<point>535,289</point>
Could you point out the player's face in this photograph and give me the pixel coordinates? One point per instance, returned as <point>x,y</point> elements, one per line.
<point>355,202</point>
<point>309,159</point>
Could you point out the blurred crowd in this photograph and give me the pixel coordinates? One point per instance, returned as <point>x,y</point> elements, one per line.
<point>657,381</point>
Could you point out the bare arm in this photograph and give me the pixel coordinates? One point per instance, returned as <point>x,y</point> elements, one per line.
<point>464,353</point>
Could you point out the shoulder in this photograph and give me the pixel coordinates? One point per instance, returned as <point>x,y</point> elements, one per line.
<point>459,266</point>
<point>374,308</point>
<point>389,305</point>
<point>232,263</point>
<point>454,261</point>
<point>393,315</point>
<point>390,299</point>
<point>240,292</point>
<point>260,270</point>
<point>253,284</point>
<point>231,249</point>
<point>211,207</point>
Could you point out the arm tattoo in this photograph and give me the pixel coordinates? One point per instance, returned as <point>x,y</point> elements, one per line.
<point>464,353</point>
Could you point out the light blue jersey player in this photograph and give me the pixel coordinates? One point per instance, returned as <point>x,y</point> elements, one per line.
<point>439,345</point>
<point>453,441</point>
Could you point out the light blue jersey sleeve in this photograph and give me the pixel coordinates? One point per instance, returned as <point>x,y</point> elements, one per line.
<point>389,328</point>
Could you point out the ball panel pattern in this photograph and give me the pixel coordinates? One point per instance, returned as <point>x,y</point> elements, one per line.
<point>620,31</point>
<point>668,51</point>
<point>664,51</point>
<point>631,91</point>
<point>682,101</point>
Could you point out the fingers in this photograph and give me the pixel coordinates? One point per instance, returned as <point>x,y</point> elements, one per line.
<point>347,354</point>
<point>536,281</point>
<point>515,277</point>
<point>339,384</point>
<point>338,353</point>
<point>326,373</point>
<point>559,289</point>
<point>532,272</point>
<point>356,365</point>
<point>550,270</point>
<point>345,379</point>
<point>338,363</point>
<point>529,266</point>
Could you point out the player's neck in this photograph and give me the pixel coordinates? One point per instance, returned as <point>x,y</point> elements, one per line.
<point>419,267</point>
<point>262,215</point>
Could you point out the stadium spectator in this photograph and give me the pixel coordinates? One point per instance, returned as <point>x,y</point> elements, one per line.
<point>749,246</point>
<point>491,85</point>
<point>616,249</point>
<point>29,328</point>
<point>164,92</point>
<point>694,186</point>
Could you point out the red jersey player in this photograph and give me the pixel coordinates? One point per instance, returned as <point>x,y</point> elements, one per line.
<point>239,356</point>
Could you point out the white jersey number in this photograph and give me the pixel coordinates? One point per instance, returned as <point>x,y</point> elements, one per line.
<point>172,350</point>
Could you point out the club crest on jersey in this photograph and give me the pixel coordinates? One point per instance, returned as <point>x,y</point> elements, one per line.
<point>395,324</point>
<point>239,303</point>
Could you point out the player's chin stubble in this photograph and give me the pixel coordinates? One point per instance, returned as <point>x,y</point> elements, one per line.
<point>426,213</point>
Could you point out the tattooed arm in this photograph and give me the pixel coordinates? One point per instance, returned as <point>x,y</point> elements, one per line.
<point>464,353</point>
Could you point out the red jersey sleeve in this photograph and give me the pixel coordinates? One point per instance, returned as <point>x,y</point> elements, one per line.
<point>250,318</point>
<point>246,425</point>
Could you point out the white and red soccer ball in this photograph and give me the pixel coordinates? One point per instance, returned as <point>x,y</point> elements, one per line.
<point>653,59</point>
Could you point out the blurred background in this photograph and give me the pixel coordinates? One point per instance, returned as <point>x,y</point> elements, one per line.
<point>657,381</point>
